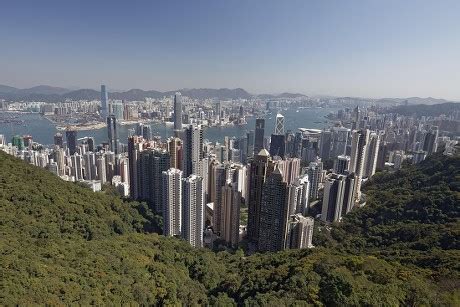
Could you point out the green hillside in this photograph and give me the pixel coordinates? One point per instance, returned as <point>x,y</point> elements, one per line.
<point>63,244</point>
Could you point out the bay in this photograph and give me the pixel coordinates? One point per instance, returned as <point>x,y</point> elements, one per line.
<point>42,130</point>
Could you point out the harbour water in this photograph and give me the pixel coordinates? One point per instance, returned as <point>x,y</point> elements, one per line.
<point>43,130</point>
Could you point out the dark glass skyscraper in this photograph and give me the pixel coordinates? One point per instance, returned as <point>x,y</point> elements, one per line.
<point>71,137</point>
<point>192,151</point>
<point>273,213</point>
<point>112,133</point>
<point>260,168</point>
<point>277,145</point>
<point>259,135</point>
<point>58,140</point>
<point>152,163</point>
<point>90,142</point>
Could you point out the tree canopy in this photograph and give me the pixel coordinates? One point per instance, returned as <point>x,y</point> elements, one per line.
<point>61,244</point>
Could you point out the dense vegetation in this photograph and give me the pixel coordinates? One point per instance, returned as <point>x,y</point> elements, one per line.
<point>412,216</point>
<point>61,243</point>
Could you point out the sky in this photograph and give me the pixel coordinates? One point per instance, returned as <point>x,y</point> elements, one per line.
<point>370,48</point>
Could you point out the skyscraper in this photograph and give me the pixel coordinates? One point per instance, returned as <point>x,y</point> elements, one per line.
<point>279,124</point>
<point>220,178</point>
<point>334,187</point>
<point>178,111</point>
<point>58,140</point>
<point>193,206</point>
<point>175,151</point>
<point>260,168</point>
<point>104,100</point>
<point>112,133</point>
<point>147,132</point>
<point>117,109</point>
<point>298,193</point>
<point>101,172</point>
<point>71,137</point>
<point>290,144</point>
<point>90,166</point>
<point>299,232</point>
<point>59,157</point>
<point>192,150</point>
<point>152,163</point>
<point>290,168</point>
<point>349,193</point>
<point>259,135</point>
<point>172,198</point>
<point>359,143</point>
<point>145,176</point>
<point>278,143</point>
<point>231,203</point>
<point>250,144</point>
<point>90,142</point>
<point>218,111</point>
<point>430,140</point>
<point>160,161</point>
<point>134,148</point>
<point>273,213</point>
<point>315,174</point>
<point>360,139</point>
<point>77,167</point>
<point>325,144</point>
<point>341,164</point>
<point>339,141</point>
<point>372,151</point>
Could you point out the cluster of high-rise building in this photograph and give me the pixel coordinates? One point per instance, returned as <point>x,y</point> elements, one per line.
<point>202,189</point>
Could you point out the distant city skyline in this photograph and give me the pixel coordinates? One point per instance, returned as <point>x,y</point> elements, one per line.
<point>339,48</point>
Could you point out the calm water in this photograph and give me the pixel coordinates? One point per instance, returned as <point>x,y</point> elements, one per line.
<point>43,131</point>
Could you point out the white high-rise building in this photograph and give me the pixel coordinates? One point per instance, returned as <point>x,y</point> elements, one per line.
<point>359,143</point>
<point>299,232</point>
<point>193,206</point>
<point>279,125</point>
<point>172,198</point>
<point>298,194</point>
<point>315,175</point>
<point>334,188</point>
<point>290,167</point>
<point>372,151</point>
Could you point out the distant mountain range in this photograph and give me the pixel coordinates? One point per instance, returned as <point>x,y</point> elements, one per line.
<point>413,100</point>
<point>56,94</point>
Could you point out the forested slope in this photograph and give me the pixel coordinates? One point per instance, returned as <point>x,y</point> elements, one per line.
<point>61,244</point>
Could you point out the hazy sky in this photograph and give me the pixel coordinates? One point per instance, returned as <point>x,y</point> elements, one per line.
<point>358,48</point>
